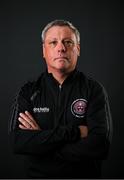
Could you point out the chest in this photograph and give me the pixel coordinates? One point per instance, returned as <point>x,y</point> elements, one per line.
<point>63,106</point>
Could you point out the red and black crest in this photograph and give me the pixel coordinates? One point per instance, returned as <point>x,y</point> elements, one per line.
<point>78,107</point>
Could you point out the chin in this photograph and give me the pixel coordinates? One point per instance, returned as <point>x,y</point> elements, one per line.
<point>61,68</point>
<point>62,65</point>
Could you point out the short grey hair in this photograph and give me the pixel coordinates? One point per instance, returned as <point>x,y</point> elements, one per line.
<point>60,23</point>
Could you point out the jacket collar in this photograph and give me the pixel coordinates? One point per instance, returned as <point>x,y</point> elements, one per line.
<point>68,80</point>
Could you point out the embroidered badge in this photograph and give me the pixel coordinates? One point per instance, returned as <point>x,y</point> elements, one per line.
<point>78,107</point>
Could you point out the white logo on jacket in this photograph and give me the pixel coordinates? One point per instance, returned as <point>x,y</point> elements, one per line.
<point>41,110</point>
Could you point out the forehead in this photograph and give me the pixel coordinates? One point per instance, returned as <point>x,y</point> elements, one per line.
<point>60,32</point>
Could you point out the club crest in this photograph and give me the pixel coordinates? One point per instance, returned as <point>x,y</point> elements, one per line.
<point>78,107</point>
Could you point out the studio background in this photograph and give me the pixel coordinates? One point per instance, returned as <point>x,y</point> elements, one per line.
<point>99,26</point>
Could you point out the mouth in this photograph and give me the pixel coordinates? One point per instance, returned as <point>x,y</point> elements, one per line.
<point>62,58</point>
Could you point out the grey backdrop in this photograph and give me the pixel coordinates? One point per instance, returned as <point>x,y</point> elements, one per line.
<point>99,25</point>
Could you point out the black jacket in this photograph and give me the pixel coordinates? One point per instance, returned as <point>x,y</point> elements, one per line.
<point>58,151</point>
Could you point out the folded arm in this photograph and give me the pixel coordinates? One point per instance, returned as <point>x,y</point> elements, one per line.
<point>28,137</point>
<point>96,143</point>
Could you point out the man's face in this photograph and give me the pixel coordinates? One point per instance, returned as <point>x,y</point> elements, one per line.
<point>60,49</point>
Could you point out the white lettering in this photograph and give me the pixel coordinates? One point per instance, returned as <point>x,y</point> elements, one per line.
<point>40,109</point>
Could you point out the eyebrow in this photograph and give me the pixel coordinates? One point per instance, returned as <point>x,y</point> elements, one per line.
<point>62,39</point>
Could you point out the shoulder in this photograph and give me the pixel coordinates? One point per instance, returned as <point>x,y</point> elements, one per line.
<point>92,84</point>
<point>30,86</point>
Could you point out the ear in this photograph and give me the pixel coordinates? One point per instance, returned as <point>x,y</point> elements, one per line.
<point>78,49</point>
<point>43,49</point>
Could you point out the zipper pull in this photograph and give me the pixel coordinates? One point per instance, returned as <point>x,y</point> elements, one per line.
<point>60,86</point>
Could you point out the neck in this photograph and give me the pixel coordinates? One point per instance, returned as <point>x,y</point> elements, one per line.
<point>60,76</point>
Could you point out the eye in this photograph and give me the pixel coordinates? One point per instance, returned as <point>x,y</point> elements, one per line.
<point>68,43</point>
<point>53,43</point>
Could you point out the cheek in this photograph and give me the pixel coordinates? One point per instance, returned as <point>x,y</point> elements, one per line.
<point>74,53</point>
<point>47,54</point>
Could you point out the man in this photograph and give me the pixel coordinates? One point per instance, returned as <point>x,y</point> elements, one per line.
<point>61,122</point>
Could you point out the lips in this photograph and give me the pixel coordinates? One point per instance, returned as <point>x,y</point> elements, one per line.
<point>62,57</point>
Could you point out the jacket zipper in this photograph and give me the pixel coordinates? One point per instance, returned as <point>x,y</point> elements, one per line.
<point>59,96</point>
<point>58,105</point>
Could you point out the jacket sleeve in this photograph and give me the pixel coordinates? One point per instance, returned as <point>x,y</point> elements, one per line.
<point>36,141</point>
<point>99,123</point>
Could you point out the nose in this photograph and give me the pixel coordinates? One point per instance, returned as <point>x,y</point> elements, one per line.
<point>61,47</point>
